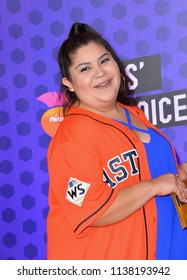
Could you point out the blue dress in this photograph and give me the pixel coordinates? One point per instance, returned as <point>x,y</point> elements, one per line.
<point>171,238</point>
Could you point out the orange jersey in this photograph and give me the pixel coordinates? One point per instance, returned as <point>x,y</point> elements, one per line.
<point>89,159</point>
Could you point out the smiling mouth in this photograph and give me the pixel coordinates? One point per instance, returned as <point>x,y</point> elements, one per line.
<point>103,85</point>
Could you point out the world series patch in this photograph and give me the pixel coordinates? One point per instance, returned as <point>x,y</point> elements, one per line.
<point>76,191</point>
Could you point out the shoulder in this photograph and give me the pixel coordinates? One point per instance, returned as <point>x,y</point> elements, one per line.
<point>80,125</point>
<point>75,130</point>
<point>78,128</point>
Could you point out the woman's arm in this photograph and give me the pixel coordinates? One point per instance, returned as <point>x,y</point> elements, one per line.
<point>132,198</point>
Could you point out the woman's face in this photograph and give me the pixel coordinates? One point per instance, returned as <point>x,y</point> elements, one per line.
<point>95,77</point>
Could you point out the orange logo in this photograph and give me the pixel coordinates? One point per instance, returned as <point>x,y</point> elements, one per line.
<point>52,118</point>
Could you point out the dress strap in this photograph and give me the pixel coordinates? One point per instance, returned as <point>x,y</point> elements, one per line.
<point>129,123</point>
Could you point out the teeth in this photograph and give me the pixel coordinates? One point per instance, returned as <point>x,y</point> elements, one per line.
<point>103,84</point>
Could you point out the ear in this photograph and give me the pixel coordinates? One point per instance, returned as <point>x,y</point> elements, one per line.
<point>67,83</point>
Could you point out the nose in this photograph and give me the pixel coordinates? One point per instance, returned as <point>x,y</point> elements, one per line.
<point>99,71</point>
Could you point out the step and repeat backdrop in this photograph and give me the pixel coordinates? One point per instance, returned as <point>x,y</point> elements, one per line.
<point>151,39</point>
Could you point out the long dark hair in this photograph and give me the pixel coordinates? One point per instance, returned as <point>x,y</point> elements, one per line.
<point>81,35</point>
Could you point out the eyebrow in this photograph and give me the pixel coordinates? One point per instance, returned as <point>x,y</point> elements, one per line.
<point>90,62</point>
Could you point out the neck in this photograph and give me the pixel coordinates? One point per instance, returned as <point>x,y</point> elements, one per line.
<point>115,111</point>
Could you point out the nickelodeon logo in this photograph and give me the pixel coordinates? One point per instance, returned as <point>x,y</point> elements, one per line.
<point>52,118</point>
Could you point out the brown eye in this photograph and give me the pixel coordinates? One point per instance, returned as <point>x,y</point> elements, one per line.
<point>104,60</point>
<point>85,69</point>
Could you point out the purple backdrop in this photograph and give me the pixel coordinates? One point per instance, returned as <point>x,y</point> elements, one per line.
<point>31,33</point>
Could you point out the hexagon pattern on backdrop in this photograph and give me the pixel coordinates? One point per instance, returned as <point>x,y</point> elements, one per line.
<point>31,33</point>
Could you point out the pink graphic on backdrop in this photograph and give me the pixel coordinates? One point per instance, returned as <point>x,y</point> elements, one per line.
<point>53,116</point>
<point>52,98</point>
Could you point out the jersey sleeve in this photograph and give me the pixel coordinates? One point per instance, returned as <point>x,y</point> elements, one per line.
<point>76,180</point>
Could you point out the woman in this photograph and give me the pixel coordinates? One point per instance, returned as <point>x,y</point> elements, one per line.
<point>111,171</point>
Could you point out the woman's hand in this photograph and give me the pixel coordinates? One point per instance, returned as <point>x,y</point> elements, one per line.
<point>170,183</point>
<point>183,171</point>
